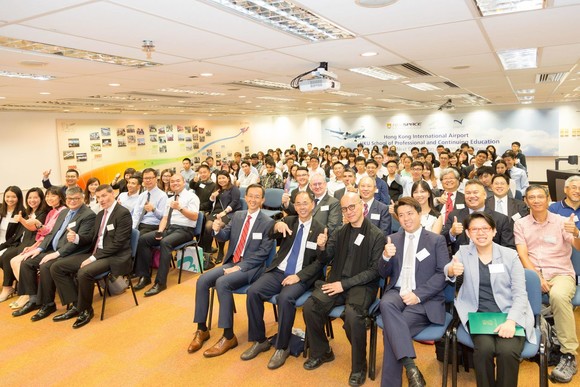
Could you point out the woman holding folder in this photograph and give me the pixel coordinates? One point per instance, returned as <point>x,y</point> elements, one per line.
<point>493,282</point>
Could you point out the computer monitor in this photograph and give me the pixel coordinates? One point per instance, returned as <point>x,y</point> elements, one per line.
<point>556,180</point>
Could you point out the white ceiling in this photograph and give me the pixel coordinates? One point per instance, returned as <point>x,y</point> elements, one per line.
<point>447,38</point>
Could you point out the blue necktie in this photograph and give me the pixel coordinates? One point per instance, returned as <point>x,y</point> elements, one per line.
<point>294,253</point>
<point>61,230</point>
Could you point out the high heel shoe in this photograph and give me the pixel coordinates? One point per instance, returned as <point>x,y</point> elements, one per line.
<point>6,295</point>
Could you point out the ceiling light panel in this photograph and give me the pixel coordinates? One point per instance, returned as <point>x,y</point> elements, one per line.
<point>43,48</point>
<point>525,58</point>
<point>287,17</point>
<point>497,7</point>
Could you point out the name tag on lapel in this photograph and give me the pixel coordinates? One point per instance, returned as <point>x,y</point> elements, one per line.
<point>71,225</point>
<point>110,227</point>
<point>324,208</point>
<point>257,235</point>
<point>311,245</point>
<point>359,239</point>
<point>421,255</point>
<point>460,206</point>
<point>495,268</point>
<point>375,216</point>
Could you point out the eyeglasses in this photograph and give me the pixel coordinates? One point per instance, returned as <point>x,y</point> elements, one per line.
<point>477,230</point>
<point>348,208</point>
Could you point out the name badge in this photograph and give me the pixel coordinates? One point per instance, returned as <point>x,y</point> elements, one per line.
<point>257,235</point>
<point>110,227</point>
<point>550,239</point>
<point>202,186</point>
<point>359,239</point>
<point>375,216</point>
<point>71,225</point>
<point>311,245</point>
<point>421,255</point>
<point>516,216</point>
<point>495,268</point>
<point>324,208</point>
<point>460,206</point>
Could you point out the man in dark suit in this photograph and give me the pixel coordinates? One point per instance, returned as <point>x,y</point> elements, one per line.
<point>451,199</point>
<point>55,246</point>
<point>111,251</point>
<point>475,196</point>
<point>291,274</point>
<point>413,261</point>
<point>374,210</point>
<point>354,250</point>
<point>502,203</point>
<point>349,184</point>
<point>248,249</point>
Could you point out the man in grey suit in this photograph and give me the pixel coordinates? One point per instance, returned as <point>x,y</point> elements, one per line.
<point>293,271</point>
<point>79,219</point>
<point>249,248</point>
<point>502,203</point>
<point>413,261</point>
<point>377,212</point>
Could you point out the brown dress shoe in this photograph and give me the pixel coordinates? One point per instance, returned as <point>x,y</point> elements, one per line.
<point>222,346</point>
<point>198,338</point>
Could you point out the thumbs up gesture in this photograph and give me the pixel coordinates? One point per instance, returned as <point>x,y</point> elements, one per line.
<point>456,268</point>
<point>457,227</point>
<point>71,235</point>
<point>322,239</point>
<point>390,248</point>
<point>570,226</point>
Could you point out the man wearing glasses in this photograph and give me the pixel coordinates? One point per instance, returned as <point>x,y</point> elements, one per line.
<point>353,281</point>
<point>78,218</point>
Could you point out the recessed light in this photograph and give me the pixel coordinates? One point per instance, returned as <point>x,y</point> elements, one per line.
<point>369,53</point>
<point>114,84</point>
<point>44,93</point>
<point>206,74</point>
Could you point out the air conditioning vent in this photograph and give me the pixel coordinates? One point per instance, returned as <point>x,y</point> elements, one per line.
<point>550,77</point>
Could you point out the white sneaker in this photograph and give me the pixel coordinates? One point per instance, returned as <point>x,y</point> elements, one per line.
<point>566,369</point>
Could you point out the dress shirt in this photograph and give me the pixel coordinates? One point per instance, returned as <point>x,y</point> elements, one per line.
<point>187,200</point>
<point>300,262</point>
<point>158,199</point>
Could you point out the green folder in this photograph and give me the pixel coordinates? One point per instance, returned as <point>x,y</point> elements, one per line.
<point>484,323</point>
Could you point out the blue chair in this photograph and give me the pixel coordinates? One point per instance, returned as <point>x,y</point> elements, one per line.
<point>105,275</point>
<point>242,290</point>
<point>194,242</point>
<point>530,350</point>
<point>433,332</point>
<point>273,199</point>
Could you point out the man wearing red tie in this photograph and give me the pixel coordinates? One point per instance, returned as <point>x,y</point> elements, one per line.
<point>111,251</point>
<point>248,250</point>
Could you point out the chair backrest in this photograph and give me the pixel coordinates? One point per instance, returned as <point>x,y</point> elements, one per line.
<point>534,289</point>
<point>134,242</point>
<point>198,224</point>
<point>273,197</point>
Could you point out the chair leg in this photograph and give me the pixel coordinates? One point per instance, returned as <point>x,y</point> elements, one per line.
<point>105,292</point>
<point>132,289</point>
<point>211,294</point>
<point>373,351</point>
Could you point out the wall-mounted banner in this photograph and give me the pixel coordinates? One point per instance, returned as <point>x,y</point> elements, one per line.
<point>536,129</point>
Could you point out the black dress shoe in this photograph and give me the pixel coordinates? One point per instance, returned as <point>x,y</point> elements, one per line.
<point>313,363</point>
<point>72,312</point>
<point>357,378</point>
<point>27,308</point>
<point>415,377</point>
<point>84,318</point>
<point>156,289</point>
<point>45,311</point>
<point>143,281</point>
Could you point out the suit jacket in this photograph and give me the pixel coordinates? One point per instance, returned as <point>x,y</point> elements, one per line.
<point>379,216</point>
<point>312,264</point>
<point>84,226</point>
<point>429,275</point>
<point>514,206</point>
<point>508,286</point>
<point>504,226</point>
<point>258,243</point>
<point>116,239</point>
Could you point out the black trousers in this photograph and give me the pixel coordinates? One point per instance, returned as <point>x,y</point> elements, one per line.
<point>268,285</point>
<point>316,311</point>
<point>172,237</point>
<point>46,289</point>
<point>507,353</point>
